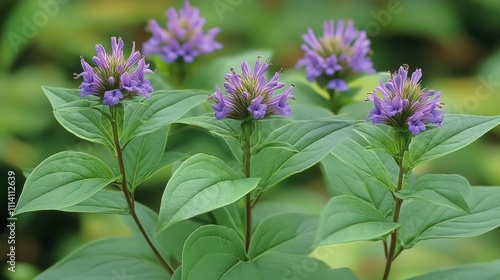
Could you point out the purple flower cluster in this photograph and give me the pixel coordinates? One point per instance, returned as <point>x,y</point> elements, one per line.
<point>183,37</point>
<point>405,104</point>
<point>342,51</point>
<point>251,95</point>
<point>113,78</point>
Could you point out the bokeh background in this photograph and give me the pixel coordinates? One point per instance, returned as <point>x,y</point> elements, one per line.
<point>456,43</point>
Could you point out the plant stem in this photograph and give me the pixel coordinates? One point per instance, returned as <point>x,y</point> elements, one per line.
<point>394,235</point>
<point>129,197</point>
<point>333,104</point>
<point>248,203</point>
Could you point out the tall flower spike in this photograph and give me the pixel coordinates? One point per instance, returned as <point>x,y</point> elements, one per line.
<point>114,77</point>
<point>339,53</point>
<point>183,37</point>
<point>250,95</point>
<point>405,104</point>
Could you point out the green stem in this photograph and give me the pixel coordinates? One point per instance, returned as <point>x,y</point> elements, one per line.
<point>394,235</point>
<point>128,196</point>
<point>248,202</point>
<point>333,104</point>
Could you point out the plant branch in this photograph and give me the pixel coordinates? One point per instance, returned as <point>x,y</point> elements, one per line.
<point>129,197</point>
<point>248,204</point>
<point>394,235</point>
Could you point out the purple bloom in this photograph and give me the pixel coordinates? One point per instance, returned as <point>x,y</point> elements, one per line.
<point>114,78</point>
<point>183,38</point>
<point>250,94</point>
<point>341,52</point>
<point>405,104</point>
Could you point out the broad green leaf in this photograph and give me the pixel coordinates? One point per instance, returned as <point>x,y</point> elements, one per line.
<point>111,258</point>
<point>483,271</point>
<point>61,96</point>
<point>201,184</point>
<point>365,162</point>
<point>340,179</point>
<point>142,155</point>
<point>63,180</point>
<point>274,265</point>
<point>377,138</point>
<point>348,218</point>
<point>215,252</point>
<point>103,201</point>
<point>164,107</point>
<point>457,132</point>
<point>421,220</point>
<point>231,216</point>
<point>440,189</point>
<point>290,233</point>
<point>311,141</point>
<point>86,122</point>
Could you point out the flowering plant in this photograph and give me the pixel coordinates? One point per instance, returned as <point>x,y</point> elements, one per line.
<point>216,217</point>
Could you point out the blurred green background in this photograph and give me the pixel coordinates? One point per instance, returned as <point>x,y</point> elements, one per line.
<point>456,43</point>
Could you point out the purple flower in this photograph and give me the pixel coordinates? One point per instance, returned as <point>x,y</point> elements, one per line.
<point>250,95</point>
<point>183,38</point>
<point>405,104</point>
<point>341,52</point>
<point>114,78</point>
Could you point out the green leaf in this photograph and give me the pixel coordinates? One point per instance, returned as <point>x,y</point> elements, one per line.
<point>103,201</point>
<point>365,162</point>
<point>440,189</point>
<point>111,258</point>
<point>214,252</point>
<point>163,108</point>
<point>457,132</point>
<point>61,96</point>
<point>340,179</point>
<point>82,119</point>
<point>201,184</point>
<point>228,129</point>
<point>484,271</point>
<point>230,216</point>
<point>421,220</point>
<point>290,233</point>
<point>348,218</point>
<point>273,265</point>
<point>377,138</point>
<point>63,180</point>
<point>311,141</point>
<point>142,155</point>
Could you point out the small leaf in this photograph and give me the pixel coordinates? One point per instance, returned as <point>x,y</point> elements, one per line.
<point>490,270</point>
<point>163,108</point>
<point>457,132</point>
<point>61,96</point>
<point>365,162</point>
<point>214,252</point>
<point>103,201</point>
<point>311,141</point>
<point>201,184</point>
<point>63,180</point>
<point>421,220</point>
<point>142,155</point>
<point>340,179</point>
<point>111,258</point>
<point>377,138</point>
<point>290,233</point>
<point>86,122</point>
<point>348,218</point>
<point>440,189</point>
